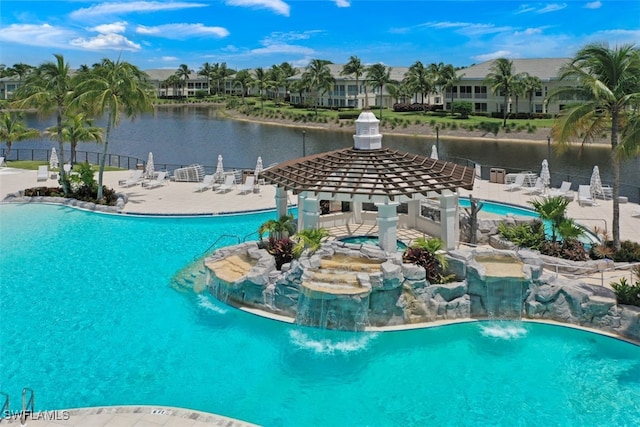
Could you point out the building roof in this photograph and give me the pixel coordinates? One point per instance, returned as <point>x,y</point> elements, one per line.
<point>374,175</point>
<point>546,68</point>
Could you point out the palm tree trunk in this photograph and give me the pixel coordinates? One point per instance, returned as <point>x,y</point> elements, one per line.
<point>504,111</point>
<point>103,160</point>
<point>615,162</point>
<point>64,181</point>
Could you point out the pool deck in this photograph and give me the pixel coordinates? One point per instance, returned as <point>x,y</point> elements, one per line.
<point>176,198</point>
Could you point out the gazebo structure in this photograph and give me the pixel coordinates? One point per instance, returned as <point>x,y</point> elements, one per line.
<point>369,173</point>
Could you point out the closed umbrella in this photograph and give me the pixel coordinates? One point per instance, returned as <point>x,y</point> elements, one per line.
<point>595,186</point>
<point>53,159</point>
<point>219,167</point>
<point>149,168</point>
<point>258,167</point>
<point>545,175</point>
<point>434,152</point>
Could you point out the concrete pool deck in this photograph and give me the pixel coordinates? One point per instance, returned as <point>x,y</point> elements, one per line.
<point>181,198</point>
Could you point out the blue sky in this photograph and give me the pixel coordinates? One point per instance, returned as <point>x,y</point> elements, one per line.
<point>260,33</point>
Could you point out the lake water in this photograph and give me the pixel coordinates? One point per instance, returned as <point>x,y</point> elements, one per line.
<point>185,135</point>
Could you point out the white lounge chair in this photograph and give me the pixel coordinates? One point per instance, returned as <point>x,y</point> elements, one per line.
<point>517,184</point>
<point>134,179</point>
<point>227,185</point>
<point>157,182</point>
<point>564,190</point>
<point>43,173</point>
<point>208,182</point>
<point>538,188</point>
<point>584,195</point>
<point>248,185</point>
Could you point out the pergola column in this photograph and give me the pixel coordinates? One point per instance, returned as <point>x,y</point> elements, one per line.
<point>413,211</point>
<point>301,198</point>
<point>449,219</point>
<point>388,226</point>
<point>281,201</point>
<point>310,213</point>
<point>357,211</point>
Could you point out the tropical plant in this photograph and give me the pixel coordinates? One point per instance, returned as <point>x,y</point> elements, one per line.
<point>281,249</point>
<point>531,85</point>
<point>281,228</point>
<point>608,86</point>
<point>260,81</point>
<point>117,88</point>
<point>379,75</point>
<point>552,209</point>
<point>526,235</point>
<point>502,80</point>
<point>244,80</point>
<point>206,70</point>
<point>309,239</point>
<point>426,253</point>
<point>76,128</point>
<point>355,68</point>
<point>20,69</point>
<point>317,77</point>
<point>464,108</point>
<point>13,129</point>
<point>49,87</point>
<point>627,293</point>
<point>183,73</point>
<point>420,80</point>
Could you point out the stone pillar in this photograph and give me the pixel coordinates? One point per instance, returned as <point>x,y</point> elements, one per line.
<point>357,212</point>
<point>310,213</point>
<point>281,201</point>
<point>413,212</point>
<point>301,198</point>
<point>388,226</point>
<point>448,219</point>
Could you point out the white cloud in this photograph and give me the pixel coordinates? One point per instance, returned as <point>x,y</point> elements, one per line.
<point>182,31</point>
<point>116,27</point>
<point>528,32</point>
<point>106,42</point>
<point>169,58</point>
<point>593,5</point>
<point>44,35</point>
<point>493,55</point>
<point>464,28</point>
<point>342,3</point>
<point>279,37</point>
<point>278,6</point>
<point>115,8</point>
<point>282,48</point>
<point>552,8</point>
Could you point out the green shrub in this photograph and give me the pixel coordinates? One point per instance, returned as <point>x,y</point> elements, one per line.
<point>526,235</point>
<point>626,293</point>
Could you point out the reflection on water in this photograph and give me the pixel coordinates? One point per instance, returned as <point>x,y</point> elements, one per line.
<point>186,135</point>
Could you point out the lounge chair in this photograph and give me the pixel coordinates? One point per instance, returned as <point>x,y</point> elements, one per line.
<point>157,182</point>
<point>564,190</point>
<point>134,179</point>
<point>43,173</point>
<point>248,185</point>
<point>538,188</point>
<point>208,182</point>
<point>517,184</point>
<point>584,195</point>
<point>227,185</point>
<point>2,162</point>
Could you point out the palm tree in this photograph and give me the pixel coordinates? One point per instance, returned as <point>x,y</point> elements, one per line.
<point>244,80</point>
<point>287,71</point>
<point>49,87</point>
<point>172,81</point>
<point>206,70</point>
<point>355,68</point>
<point>419,78</point>
<point>261,82</point>
<point>379,75</point>
<point>21,70</point>
<point>76,128</point>
<point>448,79</point>
<point>115,87</point>
<point>532,84</point>
<point>183,72</point>
<point>278,229</point>
<point>609,89</point>
<point>552,209</point>
<point>318,78</point>
<point>501,80</point>
<point>13,129</point>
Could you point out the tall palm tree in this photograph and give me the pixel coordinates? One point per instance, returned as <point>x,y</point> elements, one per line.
<point>318,78</point>
<point>288,71</point>
<point>260,81</point>
<point>206,70</point>
<point>449,77</point>
<point>50,87</point>
<point>379,75</point>
<point>275,80</point>
<point>609,89</point>
<point>501,80</point>
<point>13,129</point>
<point>21,70</point>
<point>117,88</point>
<point>77,127</point>
<point>183,73</point>
<point>244,80</point>
<point>355,68</point>
<point>419,78</point>
<point>532,84</point>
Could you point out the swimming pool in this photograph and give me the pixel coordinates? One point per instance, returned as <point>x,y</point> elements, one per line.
<point>94,322</point>
<point>369,240</point>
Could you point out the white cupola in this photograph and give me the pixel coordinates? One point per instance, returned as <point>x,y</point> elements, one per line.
<point>367,135</point>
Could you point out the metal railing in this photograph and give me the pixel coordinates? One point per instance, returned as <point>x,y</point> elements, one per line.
<point>591,271</point>
<point>27,404</point>
<point>216,242</point>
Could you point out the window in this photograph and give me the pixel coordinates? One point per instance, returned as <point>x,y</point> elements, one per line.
<point>480,91</point>
<point>465,92</point>
<point>539,92</point>
<point>480,107</point>
<point>538,108</point>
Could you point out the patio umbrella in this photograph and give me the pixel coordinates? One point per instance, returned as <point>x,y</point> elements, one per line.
<point>219,167</point>
<point>149,168</point>
<point>53,159</point>
<point>595,184</point>
<point>258,167</point>
<point>434,152</point>
<point>544,173</point>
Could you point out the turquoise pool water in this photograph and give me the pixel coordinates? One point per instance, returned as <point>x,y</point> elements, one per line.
<point>87,317</point>
<point>369,240</point>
